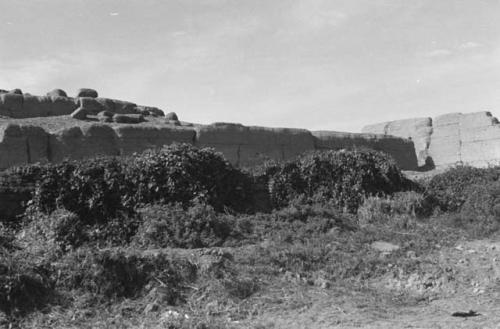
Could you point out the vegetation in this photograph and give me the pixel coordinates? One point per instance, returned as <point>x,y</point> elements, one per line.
<point>449,189</point>
<point>343,178</point>
<point>171,237</point>
<point>182,173</point>
<point>172,226</point>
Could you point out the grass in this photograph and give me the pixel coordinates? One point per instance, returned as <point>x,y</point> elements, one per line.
<point>173,267</point>
<point>280,264</point>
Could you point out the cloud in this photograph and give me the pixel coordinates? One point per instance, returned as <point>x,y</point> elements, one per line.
<point>318,14</point>
<point>28,74</point>
<point>114,14</point>
<point>447,52</point>
<point>469,45</point>
<point>180,33</point>
<point>438,53</point>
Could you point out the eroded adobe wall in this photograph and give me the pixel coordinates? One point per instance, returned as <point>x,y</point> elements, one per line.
<point>82,142</point>
<point>472,138</point>
<point>241,145</point>
<point>20,106</point>
<point>89,129</point>
<point>27,106</point>
<point>246,146</point>
<point>402,150</point>
<point>132,139</point>
<point>454,138</point>
<point>419,130</point>
<point>22,144</point>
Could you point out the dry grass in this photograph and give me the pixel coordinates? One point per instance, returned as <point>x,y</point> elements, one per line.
<point>285,268</point>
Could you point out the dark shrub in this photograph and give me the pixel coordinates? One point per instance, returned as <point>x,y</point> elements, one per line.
<point>17,185</point>
<point>63,231</point>
<point>481,199</point>
<point>118,273</point>
<point>103,188</point>
<point>61,228</point>
<point>183,173</point>
<point>449,189</point>
<point>299,221</point>
<point>307,212</point>
<point>172,226</point>
<point>116,231</point>
<point>7,237</point>
<point>24,285</point>
<point>342,178</point>
<point>479,211</point>
<point>91,188</point>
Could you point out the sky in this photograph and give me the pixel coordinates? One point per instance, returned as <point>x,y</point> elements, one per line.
<point>314,64</point>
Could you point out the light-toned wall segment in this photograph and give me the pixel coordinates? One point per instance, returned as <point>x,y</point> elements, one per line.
<point>402,150</point>
<point>454,138</point>
<point>418,130</point>
<point>241,145</point>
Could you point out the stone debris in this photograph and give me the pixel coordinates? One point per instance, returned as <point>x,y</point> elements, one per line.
<point>465,314</point>
<point>384,247</point>
<point>57,93</point>
<point>171,116</point>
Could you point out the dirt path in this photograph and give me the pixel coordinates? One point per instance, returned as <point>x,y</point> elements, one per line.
<point>465,277</point>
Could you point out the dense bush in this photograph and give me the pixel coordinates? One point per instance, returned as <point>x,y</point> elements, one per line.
<point>183,173</point>
<point>119,273</point>
<point>100,189</point>
<point>172,226</point>
<point>482,199</point>
<point>480,211</point>
<point>24,285</point>
<point>449,189</point>
<point>343,178</point>
<point>60,231</point>
<point>94,189</point>
<point>63,231</point>
<point>16,188</point>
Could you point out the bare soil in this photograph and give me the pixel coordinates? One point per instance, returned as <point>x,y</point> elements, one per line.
<point>455,279</point>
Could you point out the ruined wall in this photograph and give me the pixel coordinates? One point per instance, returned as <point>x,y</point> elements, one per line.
<point>246,146</point>
<point>472,138</point>
<point>95,132</point>
<point>82,142</point>
<point>455,138</point>
<point>241,145</point>
<point>27,106</point>
<point>132,139</point>
<point>22,144</point>
<point>402,150</point>
<point>419,130</point>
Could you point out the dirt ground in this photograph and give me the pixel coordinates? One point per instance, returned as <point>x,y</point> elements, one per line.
<point>458,279</point>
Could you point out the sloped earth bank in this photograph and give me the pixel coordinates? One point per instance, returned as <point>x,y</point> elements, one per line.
<point>459,277</point>
<point>462,278</point>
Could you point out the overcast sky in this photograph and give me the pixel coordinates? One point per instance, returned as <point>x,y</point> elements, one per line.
<point>316,64</point>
